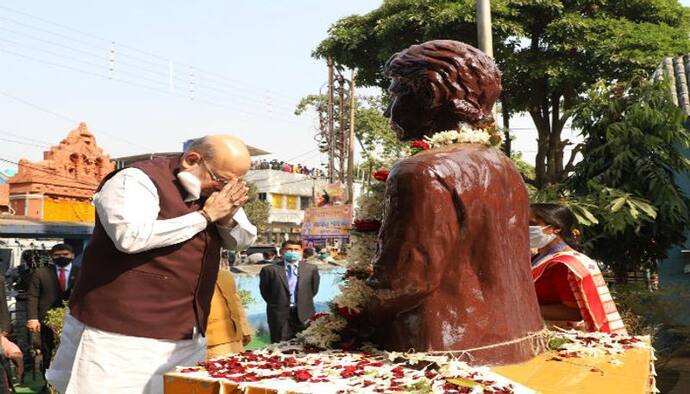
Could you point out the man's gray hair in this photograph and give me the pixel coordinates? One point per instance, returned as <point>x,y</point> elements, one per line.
<point>204,147</point>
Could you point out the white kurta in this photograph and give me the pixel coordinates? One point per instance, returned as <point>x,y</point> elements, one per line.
<point>93,361</point>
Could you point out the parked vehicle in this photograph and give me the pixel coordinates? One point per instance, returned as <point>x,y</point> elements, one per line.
<point>257,250</point>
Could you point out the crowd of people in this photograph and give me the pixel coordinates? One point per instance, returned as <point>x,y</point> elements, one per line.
<point>285,167</point>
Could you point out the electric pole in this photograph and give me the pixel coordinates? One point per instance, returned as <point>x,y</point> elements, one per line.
<point>331,131</point>
<point>351,140</point>
<point>342,149</point>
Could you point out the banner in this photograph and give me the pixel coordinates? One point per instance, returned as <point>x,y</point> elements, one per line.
<point>327,222</point>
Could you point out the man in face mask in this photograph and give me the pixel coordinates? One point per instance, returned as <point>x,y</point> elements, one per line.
<point>142,301</point>
<point>289,287</point>
<point>49,286</point>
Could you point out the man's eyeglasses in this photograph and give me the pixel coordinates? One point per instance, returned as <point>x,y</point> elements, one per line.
<point>214,177</point>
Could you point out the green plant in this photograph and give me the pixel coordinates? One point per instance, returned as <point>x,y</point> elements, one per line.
<point>655,313</point>
<point>372,129</point>
<point>55,319</point>
<point>245,297</point>
<point>633,146</point>
<point>550,51</point>
<point>256,210</point>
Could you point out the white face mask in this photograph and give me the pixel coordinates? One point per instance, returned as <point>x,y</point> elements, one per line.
<point>538,239</point>
<point>191,183</point>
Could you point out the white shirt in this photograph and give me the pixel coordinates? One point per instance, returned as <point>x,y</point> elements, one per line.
<point>89,359</point>
<point>128,205</point>
<point>67,268</point>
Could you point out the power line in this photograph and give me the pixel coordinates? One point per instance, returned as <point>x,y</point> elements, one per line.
<point>119,63</point>
<point>140,85</point>
<point>64,117</point>
<point>302,154</point>
<point>21,142</point>
<point>163,60</point>
<point>25,138</point>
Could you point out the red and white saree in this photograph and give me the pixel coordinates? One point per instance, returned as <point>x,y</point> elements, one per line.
<point>574,280</point>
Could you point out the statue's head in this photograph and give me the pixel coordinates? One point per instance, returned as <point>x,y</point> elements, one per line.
<point>439,85</point>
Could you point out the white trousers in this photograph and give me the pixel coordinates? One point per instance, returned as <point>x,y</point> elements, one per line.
<point>95,361</point>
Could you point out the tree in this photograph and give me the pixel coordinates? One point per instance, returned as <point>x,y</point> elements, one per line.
<point>256,209</point>
<point>633,143</point>
<point>550,51</point>
<point>372,129</point>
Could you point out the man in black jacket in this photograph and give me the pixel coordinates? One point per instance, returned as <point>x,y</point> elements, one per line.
<point>49,286</point>
<point>288,287</point>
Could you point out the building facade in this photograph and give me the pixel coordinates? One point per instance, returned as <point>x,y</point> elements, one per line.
<point>60,187</point>
<point>288,195</point>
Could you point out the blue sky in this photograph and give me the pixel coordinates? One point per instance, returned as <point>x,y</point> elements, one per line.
<point>250,63</point>
<point>237,67</point>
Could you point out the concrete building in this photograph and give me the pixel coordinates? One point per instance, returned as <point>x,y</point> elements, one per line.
<point>289,194</point>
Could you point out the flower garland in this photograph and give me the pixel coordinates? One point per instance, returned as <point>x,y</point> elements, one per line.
<point>327,331</point>
<point>489,136</point>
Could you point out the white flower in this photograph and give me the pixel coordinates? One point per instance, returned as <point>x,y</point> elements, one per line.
<point>362,250</point>
<point>464,135</point>
<point>323,332</point>
<point>354,294</point>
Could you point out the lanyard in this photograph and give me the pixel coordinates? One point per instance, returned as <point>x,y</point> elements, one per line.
<point>555,248</point>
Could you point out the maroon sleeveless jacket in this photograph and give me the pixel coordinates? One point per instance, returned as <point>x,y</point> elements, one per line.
<point>160,293</point>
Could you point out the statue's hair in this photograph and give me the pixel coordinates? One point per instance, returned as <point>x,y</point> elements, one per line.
<point>449,74</point>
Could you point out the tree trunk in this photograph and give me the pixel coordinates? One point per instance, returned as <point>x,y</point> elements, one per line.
<point>621,273</point>
<point>552,168</point>
<point>507,143</point>
<point>549,123</point>
<point>543,132</point>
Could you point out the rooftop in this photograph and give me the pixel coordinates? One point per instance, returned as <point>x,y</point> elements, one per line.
<point>23,227</point>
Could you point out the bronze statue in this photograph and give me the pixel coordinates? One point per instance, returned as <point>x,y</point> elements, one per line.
<point>452,270</point>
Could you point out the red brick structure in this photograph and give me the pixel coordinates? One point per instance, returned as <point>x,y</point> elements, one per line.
<point>60,187</point>
<point>4,198</point>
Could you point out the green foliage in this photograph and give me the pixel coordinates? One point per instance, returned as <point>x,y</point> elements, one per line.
<point>256,210</point>
<point>647,312</point>
<point>245,297</point>
<point>55,319</point>
<point>372,129</point>
<point>550,51</point>
<point>633,144</point>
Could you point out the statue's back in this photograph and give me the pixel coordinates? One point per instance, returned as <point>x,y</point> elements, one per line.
<point>452,272</point>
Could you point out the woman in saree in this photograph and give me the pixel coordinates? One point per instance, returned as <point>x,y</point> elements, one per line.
<point>570,288</point>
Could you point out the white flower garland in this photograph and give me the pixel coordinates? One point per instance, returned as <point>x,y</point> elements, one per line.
<point>463,135</point>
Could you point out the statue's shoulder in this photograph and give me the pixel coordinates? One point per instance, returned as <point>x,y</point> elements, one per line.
<point>454,155</point>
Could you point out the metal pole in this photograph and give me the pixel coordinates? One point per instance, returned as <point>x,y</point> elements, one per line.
<point>484,37</point>
<point>341,129</point>
<point>351,140</point>
<point>331,136</point>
